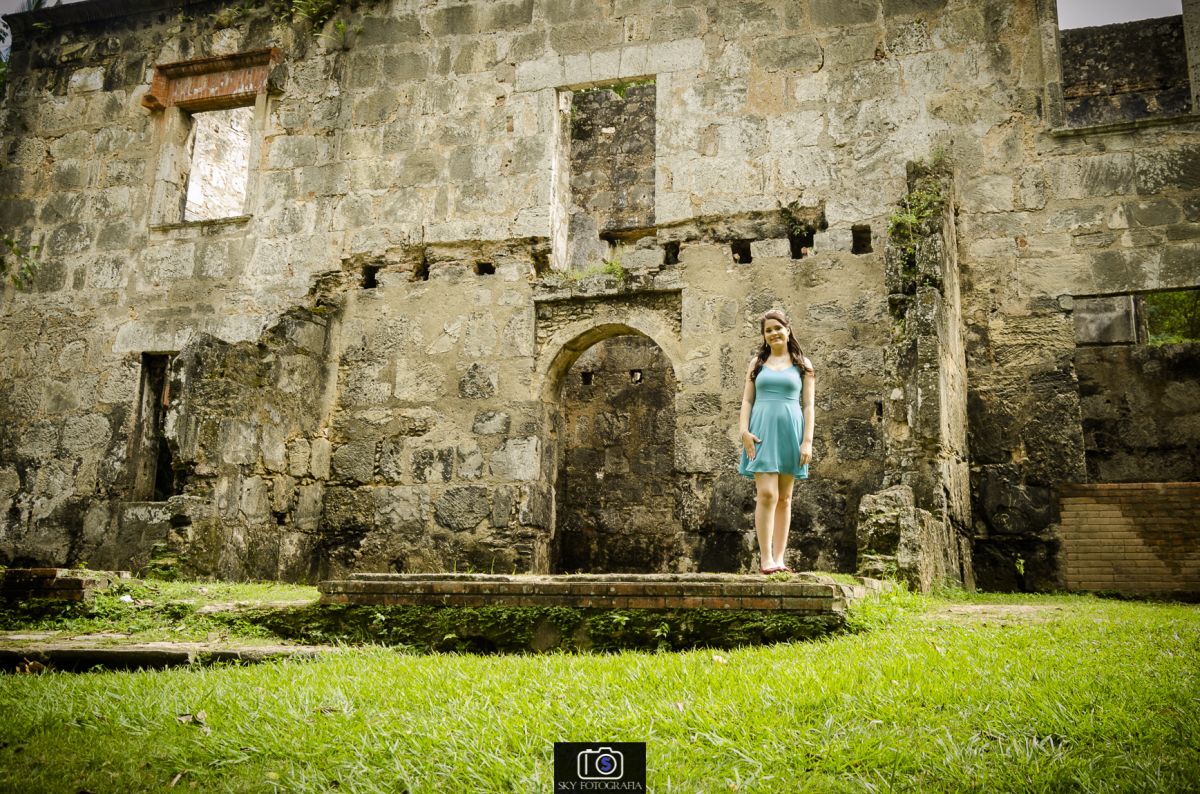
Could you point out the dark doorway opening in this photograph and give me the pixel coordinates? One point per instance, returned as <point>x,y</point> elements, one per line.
<point>153,468</point>
<point>617,488</point>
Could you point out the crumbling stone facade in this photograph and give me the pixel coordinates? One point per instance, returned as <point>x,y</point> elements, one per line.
<point>448,204</point>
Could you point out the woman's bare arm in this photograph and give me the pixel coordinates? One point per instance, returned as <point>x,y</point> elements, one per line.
<point>748,439</point>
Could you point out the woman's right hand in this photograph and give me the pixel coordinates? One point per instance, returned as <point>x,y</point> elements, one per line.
<point>748,442</point>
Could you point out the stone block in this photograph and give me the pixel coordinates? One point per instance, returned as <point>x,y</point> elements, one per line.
<point>491,423</point>
<point>1159,169</point>
<point>789,53</point>
<point>462,509</point>
<point>838,13</point>
<point>82,433</point>
<point>478,383</point>
<point>320,458</point>
<point>768,249</point>
<point>893,8</point>
<point>1107,320</point>
<point>433,464</point>
<point>518,459</point>
<point>401,509</point>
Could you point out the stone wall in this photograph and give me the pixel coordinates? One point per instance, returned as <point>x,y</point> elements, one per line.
<point>408,179</point>
<point>1132,538</point>
<point>1126,71</point>
<point>1141,412</point>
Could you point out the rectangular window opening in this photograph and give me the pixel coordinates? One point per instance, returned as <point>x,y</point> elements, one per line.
<point>605,192</point>
<point>586,378</point>
<point>1122,61</point>
<point>1171,317</point>
<point>485,269</point>
<point>219,163</point>
<point>860,239</point>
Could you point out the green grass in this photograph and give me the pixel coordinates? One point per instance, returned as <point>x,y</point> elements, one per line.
<point>1045,694</point>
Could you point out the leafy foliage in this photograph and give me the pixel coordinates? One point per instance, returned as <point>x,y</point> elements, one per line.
<point>17,264</point>
<point>1173,317</point>
<point>907,224</point>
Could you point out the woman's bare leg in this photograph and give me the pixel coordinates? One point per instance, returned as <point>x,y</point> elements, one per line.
<point>782,521</point>
<point>764,516</point>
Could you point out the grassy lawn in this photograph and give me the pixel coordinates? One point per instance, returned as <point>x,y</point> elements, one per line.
<point>930,694</point>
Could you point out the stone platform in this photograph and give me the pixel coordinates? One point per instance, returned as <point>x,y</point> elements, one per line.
<point>805,593</point>
<point>59,584</point>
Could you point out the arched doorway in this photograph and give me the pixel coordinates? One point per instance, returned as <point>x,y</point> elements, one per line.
<point>616,491</point>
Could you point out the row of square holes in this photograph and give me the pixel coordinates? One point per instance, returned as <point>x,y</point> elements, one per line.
<point>801,244</point>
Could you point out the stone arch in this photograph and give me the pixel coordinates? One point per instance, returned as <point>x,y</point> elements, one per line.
<point>566,346</point>
<point>611,458</point>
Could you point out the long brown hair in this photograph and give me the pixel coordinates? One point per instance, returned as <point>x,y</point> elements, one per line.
<point>793,347</point>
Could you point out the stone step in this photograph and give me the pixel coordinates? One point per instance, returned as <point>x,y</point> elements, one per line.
<point>810,594</point>
<point>81,656</point>
<point>62,584</point>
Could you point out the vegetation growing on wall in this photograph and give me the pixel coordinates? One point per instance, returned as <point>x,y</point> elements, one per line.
<point>907,224</point>
<point>17,264</point>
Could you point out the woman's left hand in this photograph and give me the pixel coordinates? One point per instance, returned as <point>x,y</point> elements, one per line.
<point>805,452</point>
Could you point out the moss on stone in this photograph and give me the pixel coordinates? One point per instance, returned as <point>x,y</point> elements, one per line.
<point>524,629</point>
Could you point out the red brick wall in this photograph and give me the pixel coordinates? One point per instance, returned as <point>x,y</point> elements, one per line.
<point>1131,537</point>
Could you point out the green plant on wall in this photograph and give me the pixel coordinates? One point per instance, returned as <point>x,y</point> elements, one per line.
<point>17,264</point>
<point>906,225</point>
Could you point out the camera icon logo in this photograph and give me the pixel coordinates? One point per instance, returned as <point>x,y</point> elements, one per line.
<point>603,763</point>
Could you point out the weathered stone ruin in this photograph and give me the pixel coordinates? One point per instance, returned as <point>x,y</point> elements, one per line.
<point>440,286</point>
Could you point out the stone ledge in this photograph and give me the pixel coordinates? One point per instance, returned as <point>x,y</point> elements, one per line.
<point>803,593</point>
<point>61,584</point>
<point>77,657</point>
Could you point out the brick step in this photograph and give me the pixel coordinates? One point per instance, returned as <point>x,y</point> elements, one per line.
<point>802,593</point>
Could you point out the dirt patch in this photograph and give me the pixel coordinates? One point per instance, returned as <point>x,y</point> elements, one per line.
<point>996,613</point>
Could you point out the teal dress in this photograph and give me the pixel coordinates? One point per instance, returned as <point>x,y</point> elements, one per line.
<point>777,420</point>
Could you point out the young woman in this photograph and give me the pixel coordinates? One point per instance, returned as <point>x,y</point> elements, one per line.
<point>776,428</point>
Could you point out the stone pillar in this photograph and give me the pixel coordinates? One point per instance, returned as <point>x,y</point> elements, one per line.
<point>925,416</point>
<point>1191,36</point>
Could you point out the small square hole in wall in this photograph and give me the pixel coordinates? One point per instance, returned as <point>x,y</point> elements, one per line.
<point>860,239</point>
<point>485,269</point>
<point>421,271</point>
<point>635,376</point>
<point>671,253</point>
<point>801,242</point>
<point>741,252</point>
<point>369,277</point>
<point>586,377</point>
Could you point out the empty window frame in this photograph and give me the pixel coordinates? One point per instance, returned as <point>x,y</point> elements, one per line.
<point>1117,63</point>
<point>211,109</point>
<point>219,165</point>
